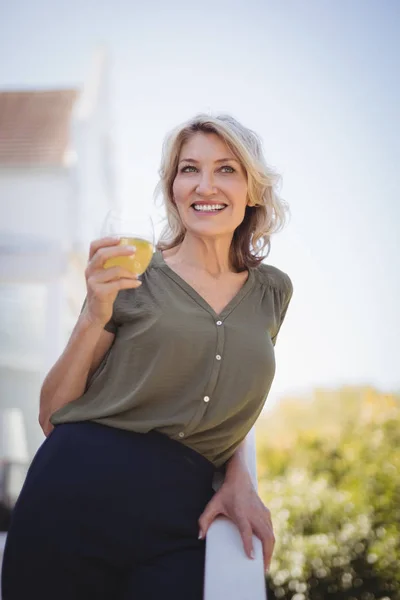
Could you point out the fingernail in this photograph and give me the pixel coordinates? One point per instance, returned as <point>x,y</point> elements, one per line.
<point>131,248</point>
<point>200,535</point>
<point>252,555</point>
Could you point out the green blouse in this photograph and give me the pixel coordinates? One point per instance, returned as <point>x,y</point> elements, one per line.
<point>176,366</point>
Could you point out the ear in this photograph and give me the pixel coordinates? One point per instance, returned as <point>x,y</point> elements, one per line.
<point>252,204</point>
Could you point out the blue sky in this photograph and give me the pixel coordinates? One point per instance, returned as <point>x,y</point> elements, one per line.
<point>319,81</point>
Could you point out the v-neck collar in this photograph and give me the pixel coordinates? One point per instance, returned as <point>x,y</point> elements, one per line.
<point>232,304</point>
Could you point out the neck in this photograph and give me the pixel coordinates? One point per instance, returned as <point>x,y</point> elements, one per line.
<point>211,255</point>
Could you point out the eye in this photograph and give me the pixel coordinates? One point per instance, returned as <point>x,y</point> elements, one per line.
<point>229,169</point>
<point>188,169</point>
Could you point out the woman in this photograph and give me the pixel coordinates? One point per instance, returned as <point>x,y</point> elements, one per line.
<point>157,388</point>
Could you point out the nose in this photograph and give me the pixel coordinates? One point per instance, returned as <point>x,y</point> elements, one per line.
<point>205,186</point>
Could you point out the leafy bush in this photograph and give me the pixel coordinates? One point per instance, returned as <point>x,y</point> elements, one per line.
<point>334,495</point>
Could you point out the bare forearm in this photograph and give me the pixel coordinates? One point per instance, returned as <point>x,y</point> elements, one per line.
<point>66,381</point>
<point>238,462</point>
<point>89,341</point>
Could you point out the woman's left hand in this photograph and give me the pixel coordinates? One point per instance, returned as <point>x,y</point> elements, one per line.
<point>238,500</point>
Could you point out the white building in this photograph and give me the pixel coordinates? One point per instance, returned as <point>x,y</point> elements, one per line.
<point>56,184</point>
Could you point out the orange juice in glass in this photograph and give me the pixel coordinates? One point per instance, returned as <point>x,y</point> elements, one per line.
<point>131,231</point>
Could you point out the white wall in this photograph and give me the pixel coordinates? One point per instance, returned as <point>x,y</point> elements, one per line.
<point>24,351</point>
<point>93,179</point>
<point>36,202</point>
<point>20,389</point>
<point>36,235</point>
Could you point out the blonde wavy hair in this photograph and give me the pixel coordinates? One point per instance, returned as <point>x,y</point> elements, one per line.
<point>266,213</point>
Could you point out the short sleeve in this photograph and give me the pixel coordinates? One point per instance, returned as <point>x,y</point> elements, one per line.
<point>111,326</point>
<point>285,295</point>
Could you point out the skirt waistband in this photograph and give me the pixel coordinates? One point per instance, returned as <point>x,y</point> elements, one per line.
<point>127,440</point>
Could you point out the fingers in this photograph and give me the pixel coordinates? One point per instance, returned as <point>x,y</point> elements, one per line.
<point>246,533</point>
<point>103,284</point>
<point>104,253</point>
<point>103,242</point>
<point>212,510</point>
<point>123,284</point>
<point>261,526</point>
<point>105,281</point>
<point>111,274</point>
<point>104,289</point>
<point>268,549</point>
<point>264,532</point>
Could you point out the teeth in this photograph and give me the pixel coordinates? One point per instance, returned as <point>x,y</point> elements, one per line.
<point>208,207</point>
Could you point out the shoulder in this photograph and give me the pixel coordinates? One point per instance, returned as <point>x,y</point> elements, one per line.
<point>270,276</point>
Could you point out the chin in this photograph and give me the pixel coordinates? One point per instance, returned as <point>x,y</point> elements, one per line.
<point>206,230</point>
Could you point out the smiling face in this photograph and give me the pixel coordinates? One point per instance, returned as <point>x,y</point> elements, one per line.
<point>210,187</point>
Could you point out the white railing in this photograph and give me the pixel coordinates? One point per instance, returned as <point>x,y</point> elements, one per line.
<point>2,544</point>
<point>229,573</point>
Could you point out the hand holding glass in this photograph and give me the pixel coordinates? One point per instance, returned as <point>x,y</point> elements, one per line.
<point>137,231</point>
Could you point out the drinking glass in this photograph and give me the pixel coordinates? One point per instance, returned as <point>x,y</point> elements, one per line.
<point>132,230</point>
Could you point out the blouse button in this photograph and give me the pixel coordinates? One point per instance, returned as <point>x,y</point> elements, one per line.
<point>181,434</point>
<point>219,322</point>
<point>206,399</point>
<point>218,357</point>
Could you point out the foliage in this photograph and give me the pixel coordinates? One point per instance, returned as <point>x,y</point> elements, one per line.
<point>329,470</point>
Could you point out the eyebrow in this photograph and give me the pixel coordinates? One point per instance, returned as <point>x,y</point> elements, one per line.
<point>220,160</point>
